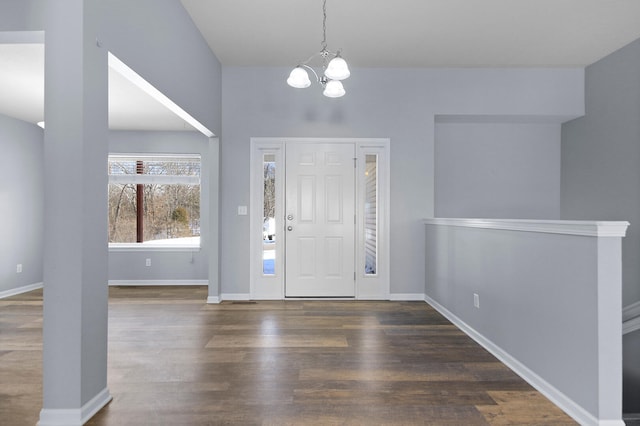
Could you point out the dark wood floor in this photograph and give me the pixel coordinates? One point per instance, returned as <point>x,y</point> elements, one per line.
<point>173,360</point>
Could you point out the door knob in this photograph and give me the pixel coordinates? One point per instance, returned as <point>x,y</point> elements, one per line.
<point>289,228</point>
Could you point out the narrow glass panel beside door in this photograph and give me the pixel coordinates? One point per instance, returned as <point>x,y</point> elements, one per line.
<point>371,214</point>
<point>269,215</point>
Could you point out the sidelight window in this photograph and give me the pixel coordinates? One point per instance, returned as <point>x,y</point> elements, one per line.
<point>269,214</point>
<point>371,214</point>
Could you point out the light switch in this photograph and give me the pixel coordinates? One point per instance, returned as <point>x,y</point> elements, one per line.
<point>242,210</point>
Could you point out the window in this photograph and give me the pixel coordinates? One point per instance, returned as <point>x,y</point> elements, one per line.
<point>154,200</point>
<point>269,215</point>
<point>371,214</point>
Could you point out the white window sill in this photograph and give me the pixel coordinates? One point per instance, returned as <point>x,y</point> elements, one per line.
<point>124,247</point>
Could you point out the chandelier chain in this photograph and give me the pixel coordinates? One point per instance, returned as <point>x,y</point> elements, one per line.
<point>324,25</point>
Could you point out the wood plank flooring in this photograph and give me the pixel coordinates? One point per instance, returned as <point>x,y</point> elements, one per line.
<point>174,360</point>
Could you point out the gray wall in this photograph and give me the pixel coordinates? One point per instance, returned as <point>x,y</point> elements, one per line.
<point>601,156</point>
<point>22,15</point>
<point>21,198</point>
<point>601,175</point>
<point>158,40</point>
<point>393,103</point>
<point>497,170</point>
<point>165,265</point>
<point>21,164</point>
<point>540,302</point>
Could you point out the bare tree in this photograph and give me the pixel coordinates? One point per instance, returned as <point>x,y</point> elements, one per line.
<point>269,190</point>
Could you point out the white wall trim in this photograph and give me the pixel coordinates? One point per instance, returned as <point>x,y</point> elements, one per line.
<point>121,68</point>
<point>213,300</point>
<point>235,296</point>
<point>95,404</point>
<point>132,247</point>
<point>561,400</point>
<point>20,290</point>
<point>157,282</point>
<point>59,417</point>
<point>74,417</point>
<point>407,297</point>
<point>567,227</point>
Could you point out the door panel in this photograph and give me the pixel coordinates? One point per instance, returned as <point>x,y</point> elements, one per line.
<point>320,208</point>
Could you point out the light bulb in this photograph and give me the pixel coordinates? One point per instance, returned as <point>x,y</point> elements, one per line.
<point>337,69</point>
<point>299,78</point>
<point>334,89</point>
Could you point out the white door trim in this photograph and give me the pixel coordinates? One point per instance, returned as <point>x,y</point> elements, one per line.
<point>369,287</point>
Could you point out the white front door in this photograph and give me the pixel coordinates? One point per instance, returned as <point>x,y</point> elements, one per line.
<point>320,220</point>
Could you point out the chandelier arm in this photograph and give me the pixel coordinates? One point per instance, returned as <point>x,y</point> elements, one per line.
<point>310,58</point>
<point>312,70</point>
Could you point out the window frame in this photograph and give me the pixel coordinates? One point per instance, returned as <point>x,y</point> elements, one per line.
<point>156,179</point>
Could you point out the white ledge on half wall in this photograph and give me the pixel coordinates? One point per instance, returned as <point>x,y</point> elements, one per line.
<point>567,227</point>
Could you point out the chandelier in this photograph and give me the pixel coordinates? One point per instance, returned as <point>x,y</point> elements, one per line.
<point>335,68</point>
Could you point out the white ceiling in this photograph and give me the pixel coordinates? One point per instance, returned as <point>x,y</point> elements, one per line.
<point>22,81</point>
<point>371,33</point>
<point>22,93</point>
<point>418,33</point>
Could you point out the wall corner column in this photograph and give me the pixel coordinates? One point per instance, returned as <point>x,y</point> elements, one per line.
<point>75,238</point>
<point>609,328</point>
<point>214,221</point>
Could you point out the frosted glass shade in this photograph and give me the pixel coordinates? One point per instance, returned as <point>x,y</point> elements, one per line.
<point>334,89</point>
<point>337,69</point>
<point>299,78</point>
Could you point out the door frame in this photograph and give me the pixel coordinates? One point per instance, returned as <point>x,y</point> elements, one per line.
<point>367,286</point>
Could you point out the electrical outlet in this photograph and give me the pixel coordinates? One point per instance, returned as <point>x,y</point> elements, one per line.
<point>148,262</point>
<point>476,300</point>
<point>19,268</point>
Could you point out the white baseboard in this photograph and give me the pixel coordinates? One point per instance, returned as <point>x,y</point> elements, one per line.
<point>374,298</point>
<point>213,300</point>
<point>235,296</point>
<point>95,404</point>
<point>60,417</point>
<point>74,417</point>
<point>407,297</point>
<point>20,290</point>
<point>157,282</point>
<point>565,403</point>
<point>398,297</point>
